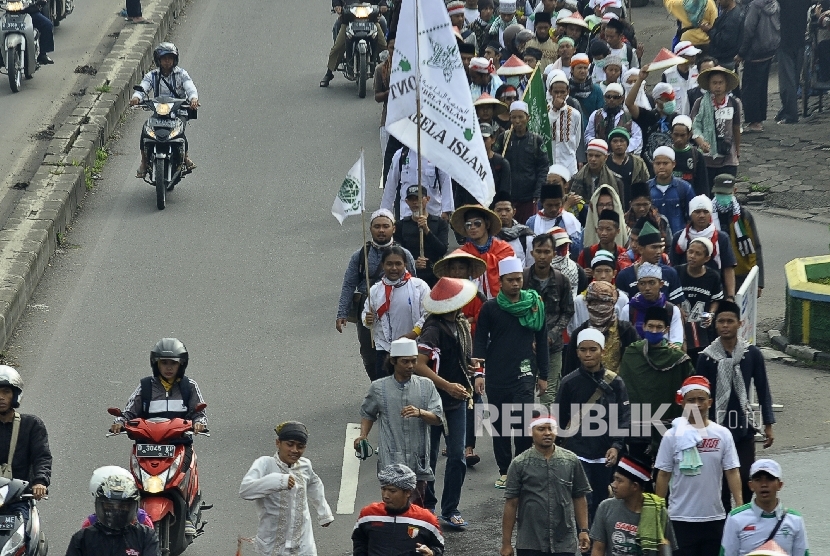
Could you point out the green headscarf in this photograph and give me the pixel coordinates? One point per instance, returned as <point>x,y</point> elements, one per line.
<point>529,309</point>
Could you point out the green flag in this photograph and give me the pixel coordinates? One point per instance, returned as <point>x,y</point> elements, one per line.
<point>537,104</point>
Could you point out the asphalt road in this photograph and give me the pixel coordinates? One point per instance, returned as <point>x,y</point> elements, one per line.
<point>245,266</point>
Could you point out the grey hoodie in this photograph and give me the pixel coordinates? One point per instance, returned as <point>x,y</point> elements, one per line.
<point>762,30</point>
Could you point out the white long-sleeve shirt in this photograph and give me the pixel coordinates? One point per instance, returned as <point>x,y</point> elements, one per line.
<point>635,145</point>
<point>285,526</point>
<point>179,81</point>
<point>406,311</point>
<point>437,182</point>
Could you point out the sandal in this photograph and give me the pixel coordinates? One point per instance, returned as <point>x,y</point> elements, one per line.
<point>189,165</point>
<point>472,459</point>
<point>455,521</point>
<point>140,173</point>
<point>502,482</point>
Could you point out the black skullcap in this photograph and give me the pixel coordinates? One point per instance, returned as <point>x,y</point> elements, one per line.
<point>500,197</point>
<point>466,48</point>
<point>728,307</point>
<point>657,313</point>
<point>608,214</point>
<point>543,17</point>
<point>551,191</point>
<point>292,430</point>
<point>640,189</point>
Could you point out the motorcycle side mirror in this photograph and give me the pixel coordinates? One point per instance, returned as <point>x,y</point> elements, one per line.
<point>200,407</point>
<point>114,411</point>
<point>138,88</point>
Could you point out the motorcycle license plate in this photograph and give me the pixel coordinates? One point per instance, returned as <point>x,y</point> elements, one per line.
<point>363,26</point>
<point>13,23</point>
<point>7,522</point>
<point>154,450</point>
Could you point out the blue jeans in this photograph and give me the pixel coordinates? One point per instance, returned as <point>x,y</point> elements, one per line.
<point>46,30</point>
<point>599,477</point>
<point>456,469</point>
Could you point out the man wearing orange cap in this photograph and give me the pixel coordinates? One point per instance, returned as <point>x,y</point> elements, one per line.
<point>696,454</point>
<point>583,88</point>
<point>445,350</point>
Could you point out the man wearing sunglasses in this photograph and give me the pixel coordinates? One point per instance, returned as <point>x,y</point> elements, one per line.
<point>479,228</point>
<point>602,121</point>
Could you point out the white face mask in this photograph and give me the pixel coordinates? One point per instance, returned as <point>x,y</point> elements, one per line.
<point>513,80</point>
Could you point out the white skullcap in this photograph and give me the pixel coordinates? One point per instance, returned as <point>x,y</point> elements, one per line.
<point>706,242</point>
<point>685,121</point>
<point>520,105</point>
<point>557,76</point>
<point>663,151</point>
<point>509,265</point>
<point>593,335</point>
<point>648,270</point>
<point>561,171</point>
<point>615,88</point>
<point>661,89</point>
<point>482,65</point>
<point>386,213</point>
<point>403,348</point>
<point>701,202</point>
<point>542,420</point>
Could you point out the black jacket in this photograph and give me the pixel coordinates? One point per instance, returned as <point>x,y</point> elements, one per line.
<point>528,166</point>
<point>435,242</point>
<point>726,34</point>
<point>752,369</point>
<point>32,458</point>
<point>577,388</point>
<point>137,540</point>
<point>559,303</point>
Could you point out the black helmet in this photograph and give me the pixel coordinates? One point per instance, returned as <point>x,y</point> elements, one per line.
<point>11,378</point>
<point>169,348</point>
<point>163,49</point>
<point>116,502</point>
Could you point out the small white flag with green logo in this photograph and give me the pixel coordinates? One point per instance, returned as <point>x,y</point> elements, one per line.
<point>350,199</point>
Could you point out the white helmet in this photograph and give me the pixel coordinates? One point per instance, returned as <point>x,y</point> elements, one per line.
<point>100,475</point>
<point>11,378</point>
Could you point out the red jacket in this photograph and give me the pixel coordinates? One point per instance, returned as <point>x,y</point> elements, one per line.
<point>489,283</point>
<point>377,533</point>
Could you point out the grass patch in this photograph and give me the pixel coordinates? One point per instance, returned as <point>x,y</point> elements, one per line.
<point>755,188</point>
<point>104,88</point>
<point>91,173</point>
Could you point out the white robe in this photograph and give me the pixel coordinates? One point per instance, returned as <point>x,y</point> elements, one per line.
<point>285,526</point>
<point>565,143</point>
<point>406,310</point>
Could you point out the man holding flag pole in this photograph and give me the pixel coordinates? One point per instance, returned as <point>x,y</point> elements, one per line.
<point>364,265</point>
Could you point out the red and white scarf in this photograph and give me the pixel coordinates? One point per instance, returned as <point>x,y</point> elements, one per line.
<point>689,234</point>
<point>388,287</point>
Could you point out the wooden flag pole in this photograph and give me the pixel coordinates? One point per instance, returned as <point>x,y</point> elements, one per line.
<point>418,122</point>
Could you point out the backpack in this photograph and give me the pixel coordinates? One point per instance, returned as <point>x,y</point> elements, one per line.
<point>147,393</point>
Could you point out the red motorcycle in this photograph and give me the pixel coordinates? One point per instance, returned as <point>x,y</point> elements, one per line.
<point>169,484</point>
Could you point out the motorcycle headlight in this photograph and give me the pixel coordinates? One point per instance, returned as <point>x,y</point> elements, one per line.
<point>163,108</point>
<point>176,130</point>
<point>361,11</point>
<point>16,544</point>
<point>154,483</point>
<point>14,7</point>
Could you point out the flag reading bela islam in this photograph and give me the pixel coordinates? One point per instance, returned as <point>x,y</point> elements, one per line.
<point>350,198</point>
<point>450,136</point>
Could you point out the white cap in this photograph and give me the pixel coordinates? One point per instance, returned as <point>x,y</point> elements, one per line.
<point>701,202</point>
<point>615,88</point>
<point>598,145</point>
<point>561,171</point>
<point>593,335</point>
<point>649,270</point>
<point>683,120</point>
<point>664,151</point>
<point>403,348</point>
<point>509,265</point>
<point>557,76</point>
<point>706,242</point>
<point>686,48</point>
<point>766,466</point>
<point>507,7</point>
<point>661,89</point>
<point>481,65</point>
<point>386,213</point>
<point>520,105</point>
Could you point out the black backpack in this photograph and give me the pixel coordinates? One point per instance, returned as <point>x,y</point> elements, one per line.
<point>147,393</point>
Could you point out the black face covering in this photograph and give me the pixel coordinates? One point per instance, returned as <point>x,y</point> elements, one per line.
<point>115,514</point>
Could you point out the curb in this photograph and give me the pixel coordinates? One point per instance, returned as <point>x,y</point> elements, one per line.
<point>59,184</point>
<point>803,353</point>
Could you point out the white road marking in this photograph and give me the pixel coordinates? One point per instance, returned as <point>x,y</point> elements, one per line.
<point>351,472</point>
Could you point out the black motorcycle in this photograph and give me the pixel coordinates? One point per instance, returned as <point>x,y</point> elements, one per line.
<point>164,143</point>
<point>57,10</point>
<point>361,44</point>
<point>13,530</point>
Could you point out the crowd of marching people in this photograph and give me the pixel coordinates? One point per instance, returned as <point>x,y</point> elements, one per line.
<point>598,286</point>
